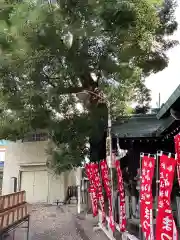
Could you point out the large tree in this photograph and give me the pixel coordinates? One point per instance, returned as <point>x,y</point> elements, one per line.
<point>51,52</point>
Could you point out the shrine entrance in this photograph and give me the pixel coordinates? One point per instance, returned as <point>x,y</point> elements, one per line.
<point>148,141</point>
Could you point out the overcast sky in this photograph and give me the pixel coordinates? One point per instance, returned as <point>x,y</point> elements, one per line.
<point>167,81</point>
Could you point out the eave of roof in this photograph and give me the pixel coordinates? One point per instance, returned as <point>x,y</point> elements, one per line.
<point>165,124</point>
<point>149,125</point>
<point>136,126</point>
<point>172,99</point>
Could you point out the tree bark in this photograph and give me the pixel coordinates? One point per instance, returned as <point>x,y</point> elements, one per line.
<point>98,134</point>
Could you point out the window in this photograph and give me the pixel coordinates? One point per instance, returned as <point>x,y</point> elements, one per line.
<point>35,137</point>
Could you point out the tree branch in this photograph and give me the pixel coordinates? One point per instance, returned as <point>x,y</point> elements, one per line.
<point>71,90</point>
<point>68,90</point>
<point>48,80</point>
<point>87,81</point>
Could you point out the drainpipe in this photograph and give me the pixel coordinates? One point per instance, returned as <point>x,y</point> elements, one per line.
<point>14,184</point>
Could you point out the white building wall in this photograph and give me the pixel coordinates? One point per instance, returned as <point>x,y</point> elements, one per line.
<point>31,152</point>
<point>11,168</point>
<point>56,188</point>
<point>31,156</point>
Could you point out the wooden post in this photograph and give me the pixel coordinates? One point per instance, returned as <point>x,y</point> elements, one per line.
<point>127,206</point>
<point>133,204</point>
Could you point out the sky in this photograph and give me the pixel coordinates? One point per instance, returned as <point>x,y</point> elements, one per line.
<point>166,81</point>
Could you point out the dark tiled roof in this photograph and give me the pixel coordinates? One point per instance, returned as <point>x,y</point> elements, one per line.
<point>137,126</point>
<point>152,125</point>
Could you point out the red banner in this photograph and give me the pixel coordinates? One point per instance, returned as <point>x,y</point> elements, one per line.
<point>122,213</point>
<point>95,189</point>
<point>93,197</point>
<point>100,196</point>
<point>107,186</point>
<point>177,149</point>
<point>92,188</point>
<point>165,226</point>
<point>146,199</point>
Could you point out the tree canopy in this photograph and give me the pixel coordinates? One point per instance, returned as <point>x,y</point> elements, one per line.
<point>51,52</point>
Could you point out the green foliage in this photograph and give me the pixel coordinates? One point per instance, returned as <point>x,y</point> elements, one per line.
<point>143,97</point>
<point>49,53</point>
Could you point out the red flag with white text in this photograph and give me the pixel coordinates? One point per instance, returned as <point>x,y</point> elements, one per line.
<point>97,183</point>
<point>122,197</point>
<point>94,202</point>
<point>146,198</point>
<point>92,188</point>
<point>95,189</point>
<point>165,225</point>
<point>107,185</point>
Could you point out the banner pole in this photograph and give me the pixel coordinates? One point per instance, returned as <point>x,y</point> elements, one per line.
<point>159,153</point>
<point>140,231</point>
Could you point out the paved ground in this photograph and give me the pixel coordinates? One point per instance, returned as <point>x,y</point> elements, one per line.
<point>54,223</point>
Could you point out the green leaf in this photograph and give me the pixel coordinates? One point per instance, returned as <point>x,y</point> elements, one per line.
<point>40,73</point>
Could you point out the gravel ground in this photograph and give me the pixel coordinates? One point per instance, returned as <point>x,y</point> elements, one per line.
<point>54,223</point>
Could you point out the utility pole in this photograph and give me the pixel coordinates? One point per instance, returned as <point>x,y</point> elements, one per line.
<point>159,102</point>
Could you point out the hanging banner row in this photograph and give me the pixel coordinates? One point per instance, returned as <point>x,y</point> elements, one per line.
<point>99,178</point>
<point>96,191</point>
<point>165,225</point>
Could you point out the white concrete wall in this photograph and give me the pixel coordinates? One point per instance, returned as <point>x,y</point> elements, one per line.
<point>11,168</point>
<point>22,156</point>
<point>18,153</point>
<point>30,152</point>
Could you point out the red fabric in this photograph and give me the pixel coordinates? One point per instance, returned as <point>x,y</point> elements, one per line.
<point>95,189</point>
<point>107,187</point>
<point>93,197</point>
<point>122,197</point>
<point>146,199</point>
<point>177,149</point>
<point>165,226</point>
<point>92,188</point>
<point>97,183</point>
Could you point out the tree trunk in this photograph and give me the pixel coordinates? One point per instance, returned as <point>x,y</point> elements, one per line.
<point>98,133</point>
<point>98,149</point>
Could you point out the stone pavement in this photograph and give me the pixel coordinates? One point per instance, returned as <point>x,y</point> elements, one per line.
<point>54,223</point>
